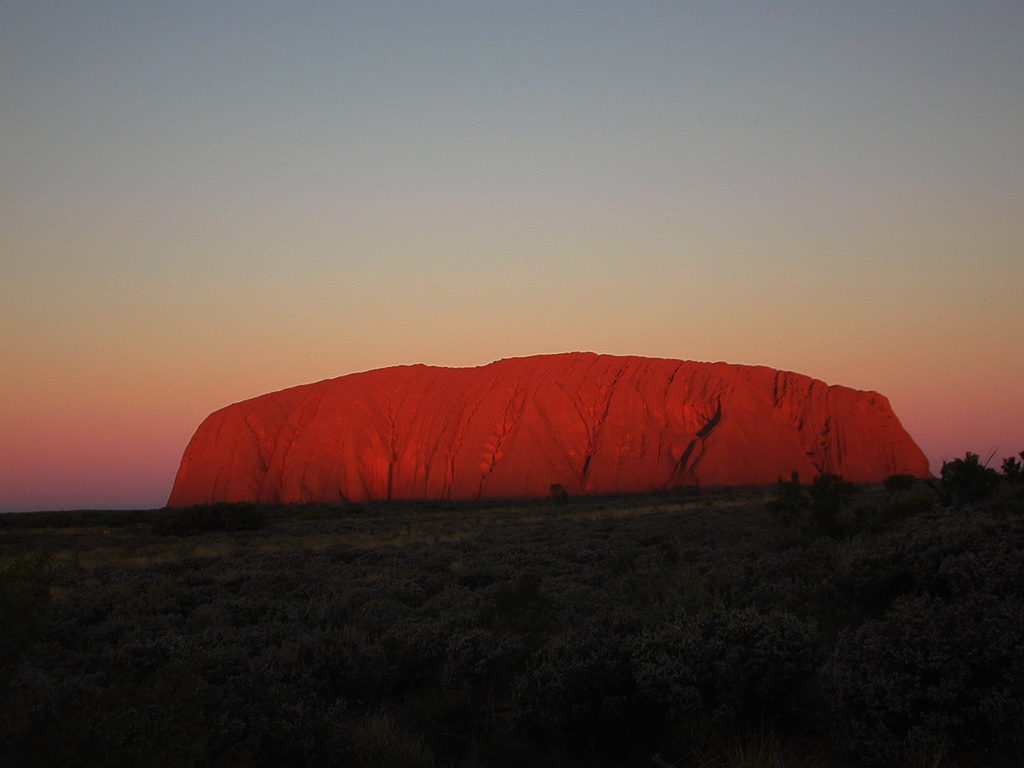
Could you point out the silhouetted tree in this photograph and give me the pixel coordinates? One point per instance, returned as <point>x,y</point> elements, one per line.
<point>789,500</point>
<point>967,480</point>
<point>1013,471</point>
<point>1012,467</point>
<point>558,494</point>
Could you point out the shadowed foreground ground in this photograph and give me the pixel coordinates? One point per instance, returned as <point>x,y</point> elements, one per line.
<point>634,631</point>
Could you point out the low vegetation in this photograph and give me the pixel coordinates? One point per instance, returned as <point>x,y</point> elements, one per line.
<point>808,626</point>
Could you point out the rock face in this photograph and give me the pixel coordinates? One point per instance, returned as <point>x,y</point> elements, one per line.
<point>596,424</point>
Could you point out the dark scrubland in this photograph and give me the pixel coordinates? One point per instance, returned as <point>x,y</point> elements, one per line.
<point>847,627</point>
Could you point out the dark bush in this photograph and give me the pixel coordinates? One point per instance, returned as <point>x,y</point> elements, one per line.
<point>958,555</point>
<point>829,493</point>
<point>909,506</point>
<point>504,635</point>
<point>927,675</point>
<point>1013,472</point>
<point>728,665</point>
<point>155,720</point>
<point>205,518</point>
<point>790,500</point>
<point>480,663</point>
<point>521,606</point>
<point>581,691</point>
<point>274,717</point>
<point>24,600</point>
<point>967,480</point>
<point>1013,469</point>
<point>558,494</point>
<point>615,686</point>
<point>896,484</point>
<point>383,742</point>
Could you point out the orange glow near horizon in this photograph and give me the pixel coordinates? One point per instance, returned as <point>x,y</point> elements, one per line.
<point>119,449</point>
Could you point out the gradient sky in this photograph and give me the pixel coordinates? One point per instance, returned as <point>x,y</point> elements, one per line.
<point>203,202</point>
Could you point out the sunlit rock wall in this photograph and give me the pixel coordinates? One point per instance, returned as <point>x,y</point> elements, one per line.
<point>596,424</point>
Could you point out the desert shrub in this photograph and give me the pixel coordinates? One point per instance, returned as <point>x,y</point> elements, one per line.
<point>621,628</point>
<point>581,691</point>
<point>1013,473</point>
<point>152,720</point>
<point>204,518</point>
<point>559,494</point>
<point>753,747</point>
<point>85,518</point>
<point>480,663</point>
<point>334,665</point>
<point>928,674</point>
<point>896,484</point>
<point>829,494</point>
<point>272,716</point>
<point>790,500</point>
<point>956,556</point>
<point>967,480</point>
<point>728,665</point>
<point>381,742</point>
<point>1012,468</point>
<point>24,601</point>
<point>909,506</point>
<point>521,606</point>
<point>620,685</point>
<point>414,653</point>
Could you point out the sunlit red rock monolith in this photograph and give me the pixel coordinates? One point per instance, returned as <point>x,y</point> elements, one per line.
<point>596,424</point>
